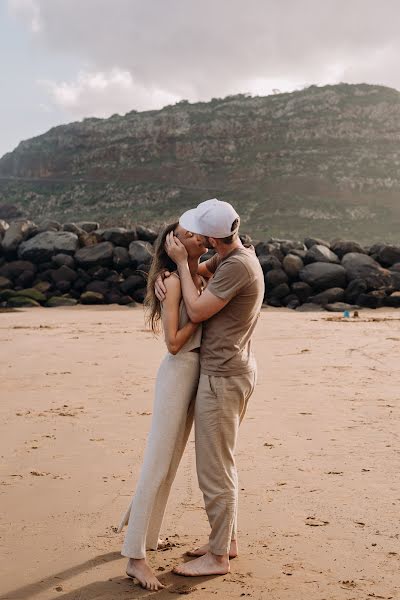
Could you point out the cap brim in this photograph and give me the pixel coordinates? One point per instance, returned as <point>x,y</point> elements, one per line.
<point>190,222</point>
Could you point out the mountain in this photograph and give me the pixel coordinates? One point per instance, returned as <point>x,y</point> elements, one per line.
<point>323,161</point>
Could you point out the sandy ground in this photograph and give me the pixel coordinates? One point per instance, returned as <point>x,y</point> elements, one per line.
<point>319,458</point>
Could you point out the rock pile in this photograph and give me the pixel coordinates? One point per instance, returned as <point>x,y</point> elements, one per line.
<point>56,265</point>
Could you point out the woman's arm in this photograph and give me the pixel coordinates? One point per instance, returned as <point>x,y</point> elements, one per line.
<point>175,338</point>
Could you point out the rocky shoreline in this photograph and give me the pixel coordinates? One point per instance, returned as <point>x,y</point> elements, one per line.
<point>55,264</point>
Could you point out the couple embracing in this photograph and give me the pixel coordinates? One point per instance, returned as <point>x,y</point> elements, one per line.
<point>208,312</point>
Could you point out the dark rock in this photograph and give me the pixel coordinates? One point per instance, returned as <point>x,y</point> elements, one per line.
<point>45,245</point>
<point>55,301</point>
<point>388,255</point>
<point>287,246</point>
<point>266,248</point>
<point>63,286</point>
<point>292,265</point>
<point>139,295</point>
<point>300,253</point>
<point>395,267</point>
<point>310,242</point>
<point>60,260</point>
<point>275,302</point>
<point>100,254</point>
<point>88,226</point>
<point>268,263</point>
<point>97,272</point>
<point>21,301</point>
<point>17,232</point>
<point>328,296</point>
<point>3,228</point>
<point>121,258</point>
<point>395,280</point>
<point>393,300</point>
<point>43,286</point>
<point>322,276</point>
<point>362,266</point>
<point>15,268</point>
<point>115,278</point>
<point>73,228</point>
<point>45,266</point>
<point>338,307</point>
<point>280,291</point>
<point>245,239</point>
<point>274,278</point>
<point>92,298</point>
<point>310,307</point>
<point>319,253</point>
<point>146,234</point>
<point>354,289</point>
<point>140,252</point>
<point>119,236</point>
<point>125,300</point>
<point>6,294</point>
<point>373,299</point>
<point>132,283</point>
<point>33,293</point>
<point>112,297</point>
<point>25,279</point>
<point>5,283</point>
<point>49,225</point>
<point>100,287</point>
<point>302,290</point>
<point>291,301</point>
<point>342,247</point>
<point>79,285</point>
<point>64,273</point>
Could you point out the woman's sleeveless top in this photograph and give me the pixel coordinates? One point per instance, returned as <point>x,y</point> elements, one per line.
<point>195,340</point>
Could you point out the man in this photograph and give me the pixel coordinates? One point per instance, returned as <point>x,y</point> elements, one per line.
<point>229,308</point>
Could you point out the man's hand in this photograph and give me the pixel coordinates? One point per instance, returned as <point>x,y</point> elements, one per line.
<point>159,286</point>
<point>175,249</point>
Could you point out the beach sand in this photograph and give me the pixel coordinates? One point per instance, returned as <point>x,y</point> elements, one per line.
<point>318,457</point>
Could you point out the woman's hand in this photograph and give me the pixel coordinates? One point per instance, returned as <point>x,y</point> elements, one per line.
<point>159,286</point>
<point>175,249</point>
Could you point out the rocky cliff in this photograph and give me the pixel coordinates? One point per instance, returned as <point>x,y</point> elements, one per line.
<point>324,160</point>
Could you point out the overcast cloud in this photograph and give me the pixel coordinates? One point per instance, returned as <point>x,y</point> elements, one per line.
<point>119,55</point>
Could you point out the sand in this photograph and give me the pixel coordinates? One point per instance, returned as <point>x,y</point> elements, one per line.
<point>319,458</point>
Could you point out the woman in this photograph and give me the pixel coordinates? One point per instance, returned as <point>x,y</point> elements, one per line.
<point>176,386</point>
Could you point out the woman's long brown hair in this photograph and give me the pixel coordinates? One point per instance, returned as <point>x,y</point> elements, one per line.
<point>161,262</point>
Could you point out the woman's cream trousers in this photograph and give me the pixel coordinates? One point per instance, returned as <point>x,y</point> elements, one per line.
<point>175,393</point>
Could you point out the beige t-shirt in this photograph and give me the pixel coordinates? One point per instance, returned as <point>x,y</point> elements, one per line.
<point>226,344</point>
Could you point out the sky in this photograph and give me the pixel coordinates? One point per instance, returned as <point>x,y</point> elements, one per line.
<point>64,60</point>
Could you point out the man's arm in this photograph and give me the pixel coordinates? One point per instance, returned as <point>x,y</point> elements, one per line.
<point>199,308</point>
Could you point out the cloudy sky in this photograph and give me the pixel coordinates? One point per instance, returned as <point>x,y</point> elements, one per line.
<point>63,60</point>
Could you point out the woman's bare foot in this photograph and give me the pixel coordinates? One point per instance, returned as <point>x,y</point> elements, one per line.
<point>233,551</point>
<point>209,564</point>
<point>140,569</point>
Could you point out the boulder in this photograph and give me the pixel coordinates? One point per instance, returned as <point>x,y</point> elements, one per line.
<point>98,286</point>
<point>393,300</point>
<point>92,298</point>
<point>140,252</point>
<point>139,295</point>
<point>25,279</point>
<point>287,246</point>
<point>395,268</point>
<point>3,228</point>
<point>60,260</point>
<point>245,239</point>
<point>12,270</point>
<point>338,307</point>
<point>33,293</point>
<point>274,278</point>
<point>302,290</point>
<point>146,234</point>
<point>373,299</point>
<point>119,236</point>
<point>73,228</point>
<point>42,286</point>
<point>310,242</point>
<point>291,301</point>
<point>63,286</point>
<point>100,254</point>
<point>17,232</point>
<point>43,246</point>
<point>112,297</point>
<point>132,283</point>
<point>21,301</point>
<point>362,266</point>
<point>6,294</point>
<point>310,307</point>
<point>88,226</point>
<point>300,253</point>
<point>328,296</point>
<point>292,265</point>
<point>319,253</point>
<point>49,225</point>
<point>121,258</point>
<point>266,248</point>
<point>388,255</point>
<point>342,247</point>
<point>354,289</point>
<point>268,263</point>
<point>63,273</point>
<point>55,301</point>
<point>322,276</point>
<point>280,291</point>
<point>125,300</point>
<point>5,283</point>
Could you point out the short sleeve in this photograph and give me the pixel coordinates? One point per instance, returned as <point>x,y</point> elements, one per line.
<point>212,263</point>
<point>230,277</point>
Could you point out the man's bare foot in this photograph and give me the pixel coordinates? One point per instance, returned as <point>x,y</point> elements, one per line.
<point>140,569</point>
<point>233,550</point>
<point>209,564</point>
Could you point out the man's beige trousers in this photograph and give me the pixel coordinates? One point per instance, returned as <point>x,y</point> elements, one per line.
<point>220,406</point>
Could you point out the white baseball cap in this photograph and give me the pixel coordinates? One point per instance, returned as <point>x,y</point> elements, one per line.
<point>212,218</point>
